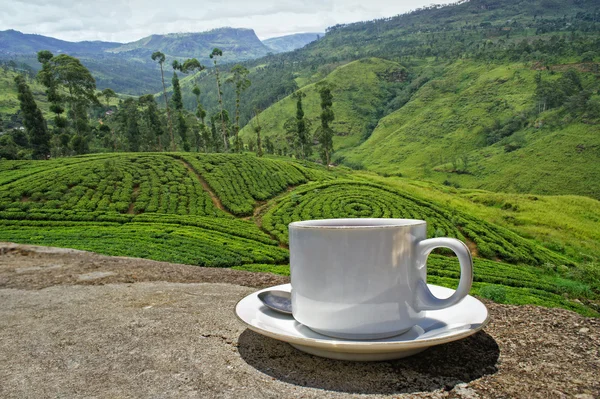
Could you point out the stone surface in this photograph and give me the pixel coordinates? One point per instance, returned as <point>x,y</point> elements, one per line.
<point>175,336</point>
<point>94,276</point>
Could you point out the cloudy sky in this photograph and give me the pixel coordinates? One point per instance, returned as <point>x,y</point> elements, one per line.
<point>124,21</point>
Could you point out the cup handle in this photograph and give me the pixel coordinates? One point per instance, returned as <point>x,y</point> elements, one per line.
<point>425,300</point>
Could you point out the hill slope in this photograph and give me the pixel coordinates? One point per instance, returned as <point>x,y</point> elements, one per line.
<point>447,132</point>
<point>182,207</point>
<point>361,90</point>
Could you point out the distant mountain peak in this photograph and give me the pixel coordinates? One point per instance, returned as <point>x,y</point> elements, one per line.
<point>292,42</point>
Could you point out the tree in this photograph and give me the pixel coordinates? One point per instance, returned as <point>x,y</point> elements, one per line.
<point>302,127</point>
<point>324,132</point>
<point>128,121</point>
<point>160,57</point>
<point>8,148</point>
<point>47,77</point>
<point>192,65</point>
<point>75,78</point>
<point>33,120</point>
<point>108,94</point>
<point>182,128</point>
<point>257,129</point>
<point>154,128</point>
<point>177,100</point>
<point>67,73</point>
<point>241,82</point>
<point>216,142</point>
<point>269,147</point>
<point>213,56</point>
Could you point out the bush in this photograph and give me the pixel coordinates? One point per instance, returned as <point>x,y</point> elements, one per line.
<point>496,293</point>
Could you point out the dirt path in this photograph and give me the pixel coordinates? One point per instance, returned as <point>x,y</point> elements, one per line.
<point>213,197</point>
<point>136,191</point>
<point>259,211</point>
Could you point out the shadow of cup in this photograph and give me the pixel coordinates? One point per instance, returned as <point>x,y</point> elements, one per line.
<point>439,367</point>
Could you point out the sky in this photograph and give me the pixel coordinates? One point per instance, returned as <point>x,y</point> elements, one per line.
<point>125,21</point>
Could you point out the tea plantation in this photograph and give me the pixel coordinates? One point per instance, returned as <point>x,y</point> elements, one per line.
<point>196,209</point>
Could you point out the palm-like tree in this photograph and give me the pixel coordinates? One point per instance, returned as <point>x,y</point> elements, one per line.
<point>160,57</point>
<point>213,56</point>
<point>241,82</point>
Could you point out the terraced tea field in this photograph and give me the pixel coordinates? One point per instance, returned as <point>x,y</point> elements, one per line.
<point>232,211</point>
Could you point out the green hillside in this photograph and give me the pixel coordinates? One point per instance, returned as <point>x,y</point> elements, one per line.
<point>473,125</point>
<point>9,102</point>
<point>478,29</point>
<point>445,133</point>
<point>232,211</point>
<point>361,90</point>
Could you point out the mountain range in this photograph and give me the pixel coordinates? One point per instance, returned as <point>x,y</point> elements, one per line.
<point>128,68</point>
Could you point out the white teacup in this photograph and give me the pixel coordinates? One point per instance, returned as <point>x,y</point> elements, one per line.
<point>366,278</point>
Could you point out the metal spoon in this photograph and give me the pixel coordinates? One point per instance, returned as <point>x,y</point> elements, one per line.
<point>279,301</point>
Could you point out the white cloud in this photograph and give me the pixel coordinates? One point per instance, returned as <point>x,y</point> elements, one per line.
<point>126,21</point>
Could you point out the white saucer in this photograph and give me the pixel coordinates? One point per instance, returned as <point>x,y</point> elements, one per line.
<point>438,327</point>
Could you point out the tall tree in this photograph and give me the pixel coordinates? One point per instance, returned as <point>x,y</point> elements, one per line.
<point>302,127</point>
<point>222,115</point>
<point>108,94</point>
<point>76,80</point>
<point>215,139</point>
<point>47,77</point>
<point>160,58</point>
<point>324,132</point>
<point>241,82</point>
<point>154,128</point>
<point>257,129</point>
<point>192,65</point>
<point>33,120</point>
<point>297,129</point>
<point>177,100</point>
<point>128,120</point>
<point>269,147</point>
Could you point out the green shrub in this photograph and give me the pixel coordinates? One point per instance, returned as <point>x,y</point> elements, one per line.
<point>496,293</point>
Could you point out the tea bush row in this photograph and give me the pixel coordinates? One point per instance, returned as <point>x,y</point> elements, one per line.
<point>341,199</point>
<point>231,226</point>
<point>158,241</point>
<point>241,180</point>
<point>124,184</point>
<point>14,170</point>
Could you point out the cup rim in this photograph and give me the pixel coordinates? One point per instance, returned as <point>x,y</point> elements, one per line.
<point>356,223</point>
